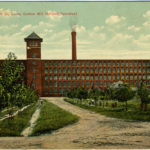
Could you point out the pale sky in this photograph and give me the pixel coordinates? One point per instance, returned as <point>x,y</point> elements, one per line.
<point>105,30</point>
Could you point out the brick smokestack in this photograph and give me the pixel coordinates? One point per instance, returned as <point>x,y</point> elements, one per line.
<point>74,55</point>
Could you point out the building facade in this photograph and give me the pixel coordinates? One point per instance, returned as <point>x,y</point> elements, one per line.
<point>56,77</point>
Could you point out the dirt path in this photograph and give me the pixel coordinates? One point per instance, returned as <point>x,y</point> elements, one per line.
<point>92,131</point>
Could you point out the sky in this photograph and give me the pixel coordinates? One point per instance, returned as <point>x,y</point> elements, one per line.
<point>105,30</point>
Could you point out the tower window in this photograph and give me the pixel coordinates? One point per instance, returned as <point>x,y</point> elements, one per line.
<point>34,63</point>
<point>34,76</point>
<point>34,55</point>
<point>33,43</point>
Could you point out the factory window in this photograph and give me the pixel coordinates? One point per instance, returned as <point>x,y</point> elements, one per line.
<point>131,69</point>
<point>69,70</point>
<point>144,76</point>
<point>82,70</point>
<point>96,70</point>
<point>74,84</point>
<point>82,83</point>
<point>144,63</point>
<point>34,70</point>
<point>131,64</point>
<point>46,83</point>
<point>122,64</point>
<point>114,64</point>
<point>50,70</point>
<point>118,76</point>
<point>33,43</point>
<point>46,91</point>
<point>122,76</point>
<point>101,76</point>
<point>127,70</point>
<point>55,77</point>
<point>46,63</point>
<point>69,77</point>
<point>69,63</point>
<point>114,70</point>
<point>126,64</point>
<point>78,70</point>
<point>105,83</point>
<point>78,63</point>
<point>100,70</point>
<point>96,63</point>
<point>114,77</point>
<point>91,70</point>
<point>87,77</point>
<point>64,70</point>
<point>148,77</point>
<point>51,63</point>
<point>104,63</point>
<point>105,70</point>
<point>135,77</point>
<point>50,84</point>
<point>96,77</point>
<point>55,63</point>
<point>64,77</point>
<point>105,77</point>
<point>131,77</point>
<point>109,70</point>
<point>144,69</point>
<point>109,64</point>
<point>118,70</point>
<point>91,64</point>
<point>46,77</point>
<point>55,90</point>
<point>139,76</point>
<point>87,83</point>
<point>55,84</point>
<point>91,76</point>
<point>96,84</point>
<point>64,63</point>
<point>64,84</point>
<point>59,84</point>
<point>135,69</point>
<point>55,70</point>
<point>91,84</point>
<point>73,63</point>
<point>59,70</point>
<point>69,84</point>
<point>50,91</point>
<point>78,77</point>
<point>51,77</point>
<point>59,63</point>
<point>118,63</point>
<point>135,63</point>
<point>82,63</point>
<point>122,69</point>
<point>78,83</point>
<point>109,77</point>
<point>73,70</point>
<point>87,70</point>
<point>82,77</point>
<point>140,69</point>
<point>100,64</point>
<point>74,76</point>
<point>101,84</point>
<point>87,63</point>
<point>34,76</point>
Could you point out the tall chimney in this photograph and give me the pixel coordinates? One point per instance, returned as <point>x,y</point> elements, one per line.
<point>74,56</point>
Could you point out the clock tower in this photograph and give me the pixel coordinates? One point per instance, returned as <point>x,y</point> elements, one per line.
<point>33,66</point>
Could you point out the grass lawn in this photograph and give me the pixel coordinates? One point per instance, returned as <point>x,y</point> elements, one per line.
<point>52,118</point>
<point>133,113</point>
<point>15,125</point>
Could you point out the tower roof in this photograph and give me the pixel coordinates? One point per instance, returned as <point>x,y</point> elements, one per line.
<point>33,36</point>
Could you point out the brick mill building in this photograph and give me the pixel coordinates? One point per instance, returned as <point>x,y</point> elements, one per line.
<point>55,77</point>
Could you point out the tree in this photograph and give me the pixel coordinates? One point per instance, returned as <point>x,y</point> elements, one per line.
<point>143,94</point>
<point>124,94</point>
<point>82,94</point>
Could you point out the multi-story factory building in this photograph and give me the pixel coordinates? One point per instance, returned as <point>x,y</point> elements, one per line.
<point>55,77</point>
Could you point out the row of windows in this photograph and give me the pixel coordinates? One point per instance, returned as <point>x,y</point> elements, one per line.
<point>96,77</point>
<point>96,70</point>
<point>88,84</point>
<point>97,63</point>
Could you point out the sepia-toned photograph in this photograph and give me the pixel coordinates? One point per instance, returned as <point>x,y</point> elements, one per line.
<point>75,75</point>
